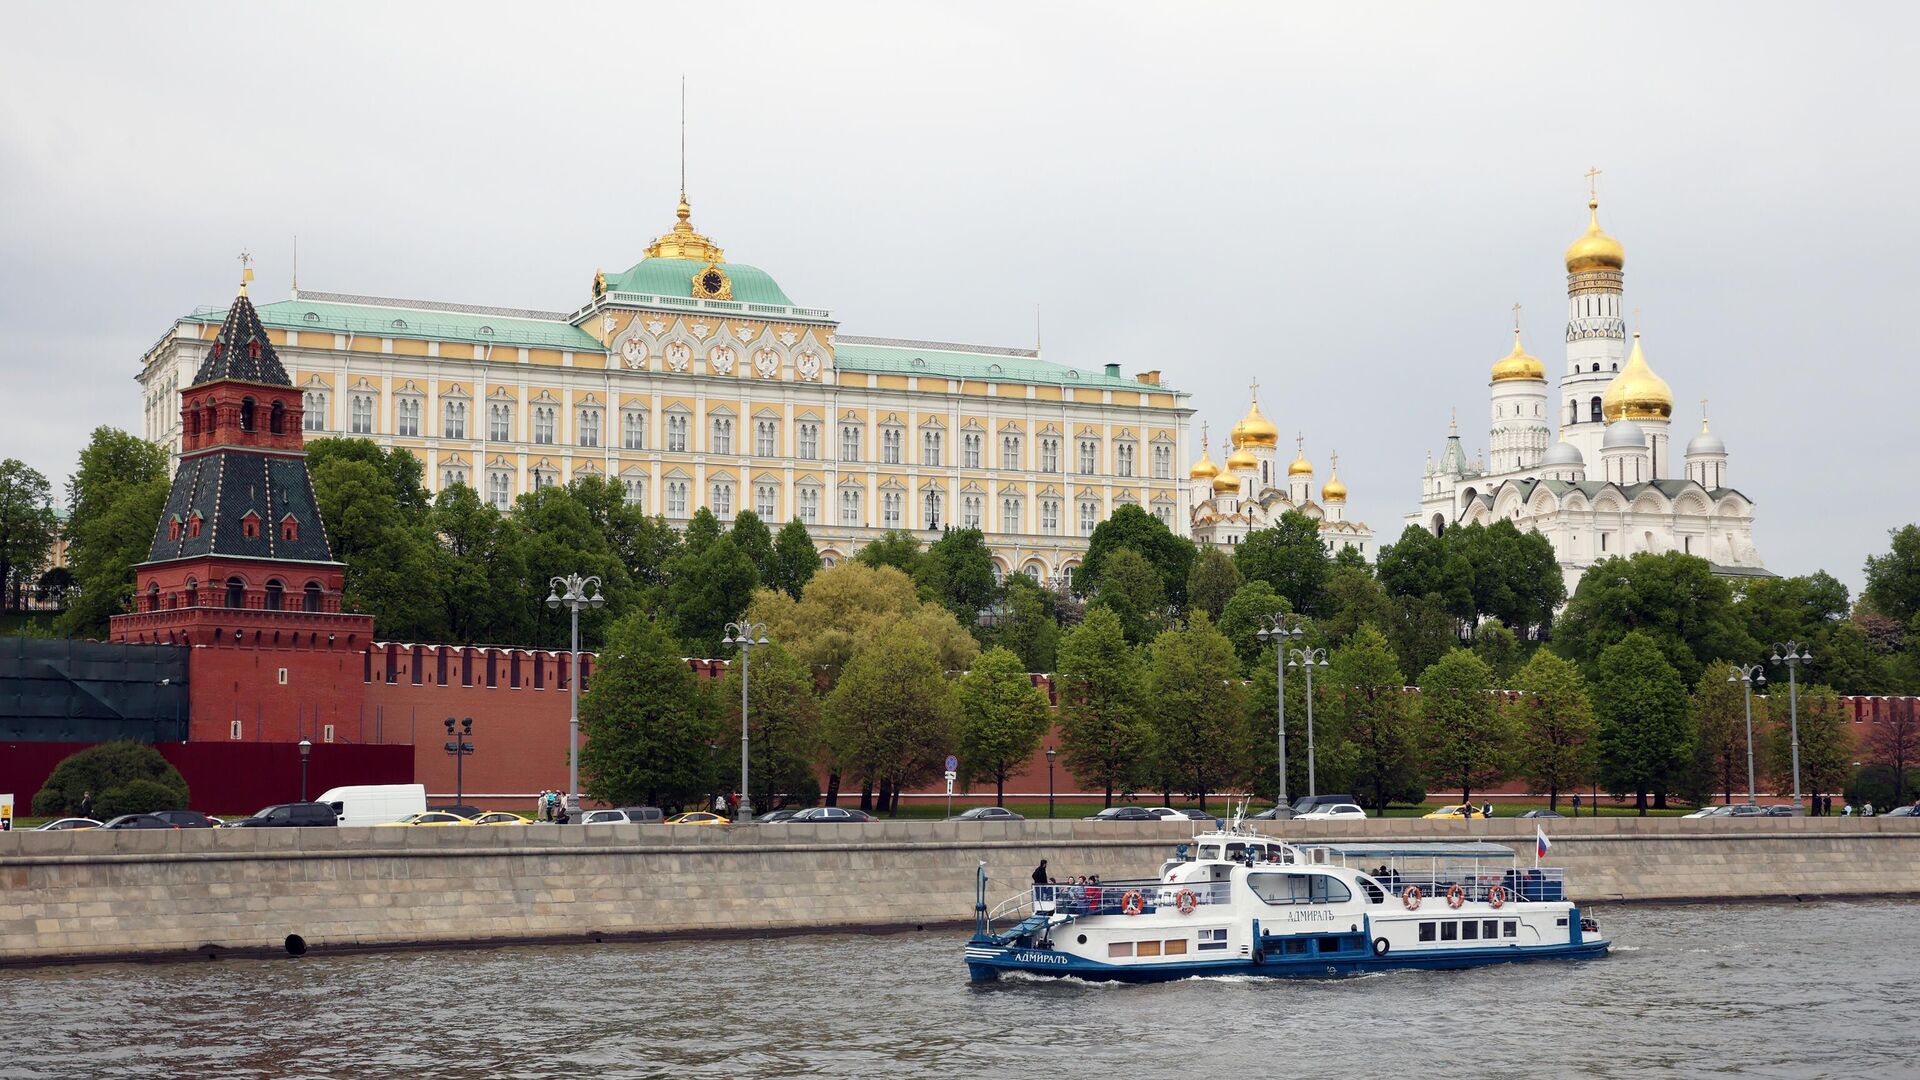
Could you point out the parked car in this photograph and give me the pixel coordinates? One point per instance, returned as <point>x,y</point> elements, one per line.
<point>139,821</point>
<point>296,815</point>
<point>1275,813</point>
<point>375,804</point>
<point>429,817</point>
<point>1306,803</point>
<point>499,817</point>
<point>1747,810</point>
<point>773,816</point>
<point>460,810</point>
<point>1783,810</point>
<point>638,815</point>
<point>1335,811</point>
<point>988,813</point>
<point>829,814</point>
<point>1898,811</point>
<point>1710,811</point>
<point>187,819</point>
<point>698,817</point>
<point>1458,813</point>
<point>1543,813</point>
<point>1123,813</point>
<point>65,823</point>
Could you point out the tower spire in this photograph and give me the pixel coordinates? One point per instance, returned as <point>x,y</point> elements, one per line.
<point>246,269</point>
<point>683,138</point>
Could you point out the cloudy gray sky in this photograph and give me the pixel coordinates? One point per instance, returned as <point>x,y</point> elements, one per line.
<point>1343,205</point>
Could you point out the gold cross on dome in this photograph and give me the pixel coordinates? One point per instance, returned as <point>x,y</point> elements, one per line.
<point>1300,444</point>
<point>1203,436</point>
<point>1593,184</point>
<point>1333,461</point>
<point>1516,317</point>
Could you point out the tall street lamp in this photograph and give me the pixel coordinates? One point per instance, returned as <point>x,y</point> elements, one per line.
<point>1050,755</point>
<point>1749,676</point>
<point>1793,654</point>
<point>306,751</point>
<point>744,636</point>
<point>1280,628</point>
<point>575,592</point>
<point>1309,658</point>
<point>459,746</point>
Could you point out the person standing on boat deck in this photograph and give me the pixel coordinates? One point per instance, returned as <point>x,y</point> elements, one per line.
<point>1040,873</point>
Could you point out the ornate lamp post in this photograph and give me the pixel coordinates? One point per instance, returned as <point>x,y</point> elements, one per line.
<point>744,636</point>
<point>1309,658</point>
<point>1280,629</point>
<point>306,751</point>
<point>1749,676</point>
<point>575,592</point>
<point>1050,755</point>
<point>1793,654</point>
<point>459,747</point>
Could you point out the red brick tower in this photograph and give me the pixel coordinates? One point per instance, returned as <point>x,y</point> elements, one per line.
<point>240,559</point>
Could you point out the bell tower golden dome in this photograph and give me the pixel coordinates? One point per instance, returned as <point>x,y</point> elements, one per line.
<point>1519,364</point>
<point>1595,250</point>
<point>1637,393</point>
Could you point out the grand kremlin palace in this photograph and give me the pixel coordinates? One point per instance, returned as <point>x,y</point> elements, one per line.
<point>695,382</point>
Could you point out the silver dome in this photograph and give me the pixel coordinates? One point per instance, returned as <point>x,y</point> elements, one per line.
<point>1624,435</point>
<point>1564,453</point>
<point>1706,443</point>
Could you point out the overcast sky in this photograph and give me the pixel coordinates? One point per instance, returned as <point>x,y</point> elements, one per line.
<point>1344,207</point>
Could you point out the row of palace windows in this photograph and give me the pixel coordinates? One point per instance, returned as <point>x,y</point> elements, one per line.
<point>273,598</point>
<point>722,431</point>
<point>203,418</point>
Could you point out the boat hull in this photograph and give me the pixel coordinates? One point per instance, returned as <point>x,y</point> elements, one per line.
<point>987,961</point>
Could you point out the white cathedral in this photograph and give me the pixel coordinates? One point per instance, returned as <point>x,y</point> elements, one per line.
<point>1605,487</point>
<point>1245,495</point>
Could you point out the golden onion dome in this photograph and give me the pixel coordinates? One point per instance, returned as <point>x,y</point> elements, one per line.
<point>1300,466</point>
<point>1226,483</point>
<point>1333,490</point>
<point>1595,250</point>
<point>1254,429</point>
<point>1519,364</point>
<point>1637,393</point>
<point>1242,460</point>
<point>1204,469</point>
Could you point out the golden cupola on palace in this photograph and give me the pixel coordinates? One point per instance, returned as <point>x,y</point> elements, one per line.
<point>1637,393</point>
<point>1595,250</point>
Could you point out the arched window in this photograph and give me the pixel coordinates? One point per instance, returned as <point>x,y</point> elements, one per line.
<point>277,422</point>
<point>274,594</point>
<point>1595,407</point>
<point>193,592</point>
<point>236,593</point>
<point>246,414</point>
<point>311,600</point>
<point>153,597</point>
<point>1596,365</point>
<point>193,420</point>
<point>212,418</point>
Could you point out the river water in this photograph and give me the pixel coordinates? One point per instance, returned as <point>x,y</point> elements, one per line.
<point>1805,990</point>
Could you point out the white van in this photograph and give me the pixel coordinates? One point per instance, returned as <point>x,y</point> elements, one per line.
<point>375,804</point>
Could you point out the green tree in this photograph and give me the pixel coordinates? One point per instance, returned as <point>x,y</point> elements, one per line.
<point>377,524</point>
<point>783,722</point>
<point>1103,733</point>
<point>1198,706</point>
<point>27,529</point>
<point>1514,577</point>
<point>111,458</point>
<point>1645,734</point>
<point>890,719</point>
<point>1672,598</point>
<point>1132,527</point>
<point>1240,618</point>
<point>1354,599</point>
<point>702,529</point>
<point>1893,579</point>
<point>1212,581</point>
<point>896,548</point>
<point>1028,624</point>
<point>1720,746</point>
<point>556,534</point>
<point>1497,645</point>
<point>1421,565</point>
<point>849,606</point>
<point>116,773</point>
<point>705,592</point>
<point>1556,750</point>
<point>957,571</point>
<point>1828,748</point>
<point>650,726</point>
<point>1422,632</point>
<point>644,545</point>
<point>114,498</point>
<point>1468,738</point>
<point>1131,589</point>
<point>1003,716</point>
<point>481,570</point>
<point>402,475</point>
<point>1290,556</point>
<point>1893,743</point>
<point>795,560</point>
<point>1368,694</point>
<point>752,537</point>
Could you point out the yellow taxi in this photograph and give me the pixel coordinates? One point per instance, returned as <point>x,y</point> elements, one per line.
<point>430,817</point>
<point>697,817</point>
<point>498,817</point>
<point>1458,813</point>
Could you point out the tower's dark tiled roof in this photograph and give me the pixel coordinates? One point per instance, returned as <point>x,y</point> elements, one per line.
<point>222,487</point>
<point>242,350</point>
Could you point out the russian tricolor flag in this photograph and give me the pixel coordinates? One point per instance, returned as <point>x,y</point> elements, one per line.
<point>1541,841</point>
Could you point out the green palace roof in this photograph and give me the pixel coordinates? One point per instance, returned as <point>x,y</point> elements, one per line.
<point>674,277</point>
<point>369,315</point>
<point>893,355</point>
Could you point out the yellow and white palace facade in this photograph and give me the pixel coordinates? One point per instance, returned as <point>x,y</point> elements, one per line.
<point>696,382</point>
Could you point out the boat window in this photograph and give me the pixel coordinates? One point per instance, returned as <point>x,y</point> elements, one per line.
<point>1471,930</point>
<point>1213,939</point>
<point>1426,931</point>
<point>1490,929</point>
<point>1299,888</point>
<point>1176,947</point>
<point>1295,946</point>
<point>1449,931</point>
<point>1210,851</point>
<point>1146,948</point>
<point>1510,928</point>
<point>1375,894</point>
<point>1560,921</point>
<point>1119,948</point>
<point>1329,944</point>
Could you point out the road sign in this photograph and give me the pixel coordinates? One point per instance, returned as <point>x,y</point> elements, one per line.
<point>949,785</point>
<point>6,809</point>
<point>953,763</point>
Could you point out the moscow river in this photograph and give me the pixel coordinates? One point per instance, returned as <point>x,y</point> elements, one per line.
<point>1806,990</point>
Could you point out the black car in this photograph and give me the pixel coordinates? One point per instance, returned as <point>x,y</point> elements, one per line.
<point>139,821</point>
<point>837,815</point>
<point>296,815</point>
<point>1782,811</point>
<point>186,819</point>
<point>1123,813</point>
<point>1277,813</point>
<point>988,813</point>
<point>459,810</point>
<point>773,816</point>
<point>1542,814</point>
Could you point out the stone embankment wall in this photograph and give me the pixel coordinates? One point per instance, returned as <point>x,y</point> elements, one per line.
<point>95,895</point>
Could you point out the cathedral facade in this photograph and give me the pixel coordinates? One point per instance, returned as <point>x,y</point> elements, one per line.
<point>1249,493</point>
<point>696,382</point>
<point>1607,485</point>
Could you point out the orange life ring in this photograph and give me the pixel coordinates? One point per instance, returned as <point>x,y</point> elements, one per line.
<point>1411,898</point>
<point>1456,896</point>
<point>1133,903</point>
<point>1186,901</point>
<point>1497,896</point>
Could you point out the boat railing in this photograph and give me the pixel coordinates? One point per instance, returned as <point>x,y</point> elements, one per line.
<point>1110,897</point>
<point>1542,883</point>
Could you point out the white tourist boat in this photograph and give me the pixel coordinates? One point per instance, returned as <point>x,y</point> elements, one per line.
<point>1234,902</point>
